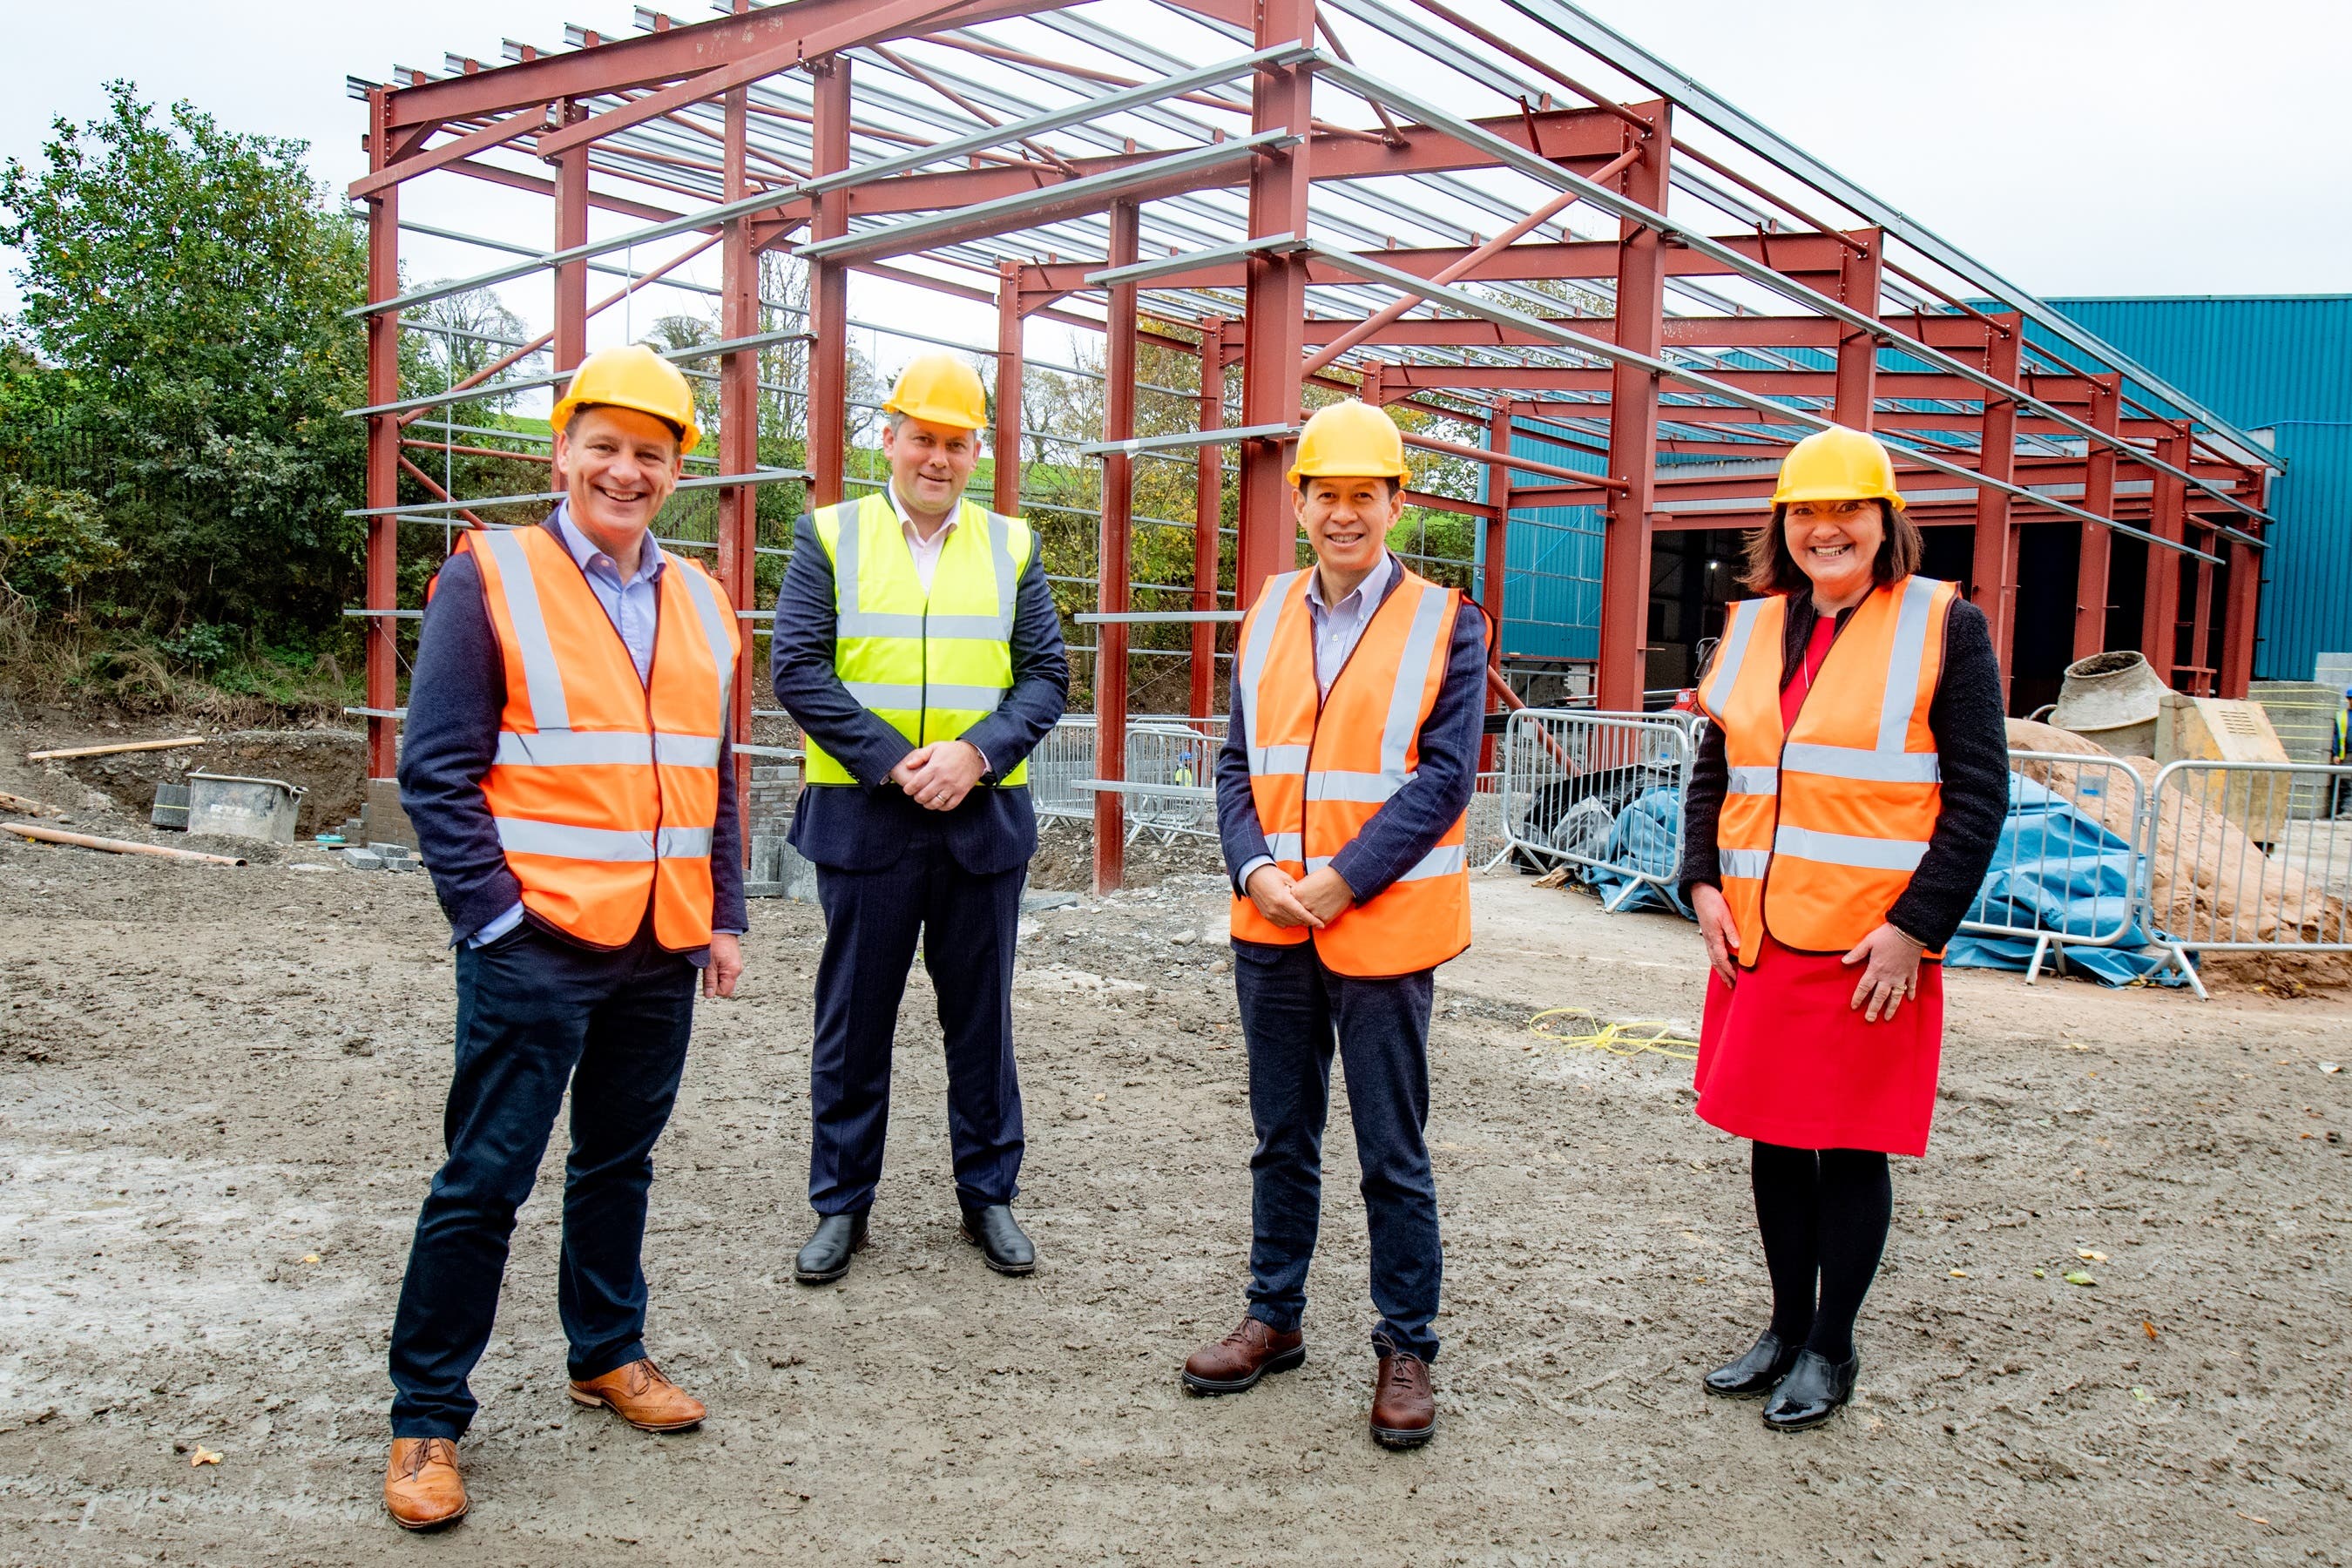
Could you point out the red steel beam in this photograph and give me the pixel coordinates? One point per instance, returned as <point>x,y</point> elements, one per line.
<point>2245,608</point>
<point>2097,545</point>
<point>2200,620</point>
<point>828,409</point>
<point>1857,352</point>
<point>1114,558</point>
<point>1005,492</point>
<point>739,428</point>
<point>1274,300</point>
<point>1993,581</point>
<point>1633,428</point>
<point>1496,539</point>
<point>2159,630</point>
<point>383,461</point>
<point>570,276</point>
<point>1208,513</point>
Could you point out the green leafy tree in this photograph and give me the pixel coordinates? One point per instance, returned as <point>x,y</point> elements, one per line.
<point>183,288</point>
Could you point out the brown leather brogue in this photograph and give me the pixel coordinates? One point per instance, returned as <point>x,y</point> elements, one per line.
<point>639,1394</point>
<point>1241,1358</point>
<point>422,1488</point>
<point>1404,1406</point>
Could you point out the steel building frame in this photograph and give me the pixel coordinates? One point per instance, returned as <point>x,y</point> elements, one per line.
<point>1517,221</point>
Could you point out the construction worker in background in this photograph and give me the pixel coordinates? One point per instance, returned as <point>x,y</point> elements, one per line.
<point>566,767</point>
<point>916,645</point>
<point>2339,754</point>
<point>1341,789</point>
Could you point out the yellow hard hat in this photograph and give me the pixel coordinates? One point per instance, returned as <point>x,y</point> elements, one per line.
<point>1351,440</point>
<point>1837,463</point>
<point>940,389</point>
<point>631,376</point>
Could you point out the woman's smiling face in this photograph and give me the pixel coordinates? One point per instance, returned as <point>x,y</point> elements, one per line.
<point>1835,542</point>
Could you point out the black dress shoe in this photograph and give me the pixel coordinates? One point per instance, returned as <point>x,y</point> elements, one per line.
<point>826,1257</point>
<point>1811,1392</point>
<point>1767,1362</point>
<point>1001,1240</point>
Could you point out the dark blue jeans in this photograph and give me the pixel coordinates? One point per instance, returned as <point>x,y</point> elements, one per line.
<point>535,1014</point>
<point>1291,1008</point>
<point>967,923</point>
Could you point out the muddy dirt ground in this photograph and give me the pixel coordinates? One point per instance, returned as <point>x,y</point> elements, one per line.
<point>220,1094</point>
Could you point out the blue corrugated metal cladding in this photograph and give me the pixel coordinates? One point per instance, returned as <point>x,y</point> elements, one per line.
<point>2280,364</point>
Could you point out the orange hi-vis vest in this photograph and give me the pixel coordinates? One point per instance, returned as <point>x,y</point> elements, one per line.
<point>1320,767</point>
<point>1823,824</point>
<point>605,788</point>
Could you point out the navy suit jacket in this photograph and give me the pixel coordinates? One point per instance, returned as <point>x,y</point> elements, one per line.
<point>1408,823</point>
<point>451,737</point>
<point>864,826</point>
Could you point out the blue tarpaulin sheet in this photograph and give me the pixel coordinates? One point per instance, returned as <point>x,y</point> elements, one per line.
<point>1647,836</point>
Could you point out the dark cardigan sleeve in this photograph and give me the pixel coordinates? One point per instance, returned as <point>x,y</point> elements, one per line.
<point>1972,743</point>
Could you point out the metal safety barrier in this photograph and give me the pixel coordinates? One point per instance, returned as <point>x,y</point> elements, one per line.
<point>2069,870</point>
<point>2250,857</point>
<point>1568,774</point>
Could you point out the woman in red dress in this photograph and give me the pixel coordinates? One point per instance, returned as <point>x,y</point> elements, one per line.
<point>1842,813</point>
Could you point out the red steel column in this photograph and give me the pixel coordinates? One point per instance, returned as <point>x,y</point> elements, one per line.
<point>829,410</point>
<point>738,430</point>
<point>1498,551</point>
<point>1274,346</point>
<point>1634,429</point>
<point>2160,628</point>
<point>2245,607</point>
<point>2097,543</point>
<point>1208,512</point>
<point>1112,558</point>
<point>1005,496</point>
<point>1995,586</point>
<point>1857,354</point>
<point>383,457</point>
<point>570,229</point>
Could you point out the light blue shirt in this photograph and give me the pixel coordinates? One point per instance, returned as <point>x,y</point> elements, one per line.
<point>635,608</point>
<point>1336,630</point>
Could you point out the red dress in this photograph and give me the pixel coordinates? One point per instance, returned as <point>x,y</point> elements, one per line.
<point>1783,1059</point>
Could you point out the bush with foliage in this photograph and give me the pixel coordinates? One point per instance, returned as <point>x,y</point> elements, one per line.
<point>51,542</point>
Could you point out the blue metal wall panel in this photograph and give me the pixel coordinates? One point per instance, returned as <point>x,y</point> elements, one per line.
<point>2282,363</point>
<point>1551,569</point>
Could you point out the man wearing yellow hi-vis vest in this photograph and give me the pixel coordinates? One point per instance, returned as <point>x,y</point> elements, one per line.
<point>916,645</point>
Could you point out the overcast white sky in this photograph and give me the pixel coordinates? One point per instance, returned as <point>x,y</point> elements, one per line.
<point>2077,146</point>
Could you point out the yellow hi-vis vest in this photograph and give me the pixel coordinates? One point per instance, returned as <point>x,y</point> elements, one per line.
<point>929,665</point>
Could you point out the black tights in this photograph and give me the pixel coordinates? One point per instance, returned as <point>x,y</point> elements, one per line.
<point>1823,1215</point>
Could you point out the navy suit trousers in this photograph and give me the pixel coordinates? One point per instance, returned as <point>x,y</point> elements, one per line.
<point>535,1014</point>
<point>1292,1009</point>
<point>966,922</point>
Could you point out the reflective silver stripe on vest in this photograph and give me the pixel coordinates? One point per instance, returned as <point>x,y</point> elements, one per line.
<point>1848,850</point>
<point>1754,780</point>
<point>1251,673</point>
<point>578,748</point>
<point>1903,665</point>
<point>1285,845</point>
<point>1369,789</point>
<point>1008,582</point>
<point>704,592</point>
<point>522,836</point>
<point>890,695</point>
<point>549,710</point>
<point>685,843</point>
<point>1731,653</point>
<point>1752,863</point>
<point>1897,766</point>
<point>1413,669</point>
<point>686,751</point>
<point>1445,861</point>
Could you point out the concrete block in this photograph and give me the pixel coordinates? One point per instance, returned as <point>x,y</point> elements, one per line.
<point>363,859</point>
<point>381,820</point>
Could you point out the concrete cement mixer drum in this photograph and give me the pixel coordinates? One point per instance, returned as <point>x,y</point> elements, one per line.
<point>2111,698</point>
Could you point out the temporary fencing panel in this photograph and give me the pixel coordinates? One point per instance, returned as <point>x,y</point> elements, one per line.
<point>1568,775</point>
<point>2231,868</point>
<point>2068,870</point>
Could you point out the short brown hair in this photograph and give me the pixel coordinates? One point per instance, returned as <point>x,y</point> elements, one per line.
<point>1772,570</point>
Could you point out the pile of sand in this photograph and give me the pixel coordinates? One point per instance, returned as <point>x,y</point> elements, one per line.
<point>2207,881</point>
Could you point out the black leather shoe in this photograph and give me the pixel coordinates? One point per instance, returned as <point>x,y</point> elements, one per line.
<point>1811,1392</point>
<point>1001,1240</point>
<point>838,1237</point>
<point>1767,1362</point>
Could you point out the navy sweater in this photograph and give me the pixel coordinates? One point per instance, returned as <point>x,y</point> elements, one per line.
<point>1408,823</point>
<point>455,697</point>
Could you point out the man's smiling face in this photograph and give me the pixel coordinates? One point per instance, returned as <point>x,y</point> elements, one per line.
<point>619,466</point>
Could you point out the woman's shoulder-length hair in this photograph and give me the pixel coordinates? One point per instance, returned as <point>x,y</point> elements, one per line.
<point>1770,569</point>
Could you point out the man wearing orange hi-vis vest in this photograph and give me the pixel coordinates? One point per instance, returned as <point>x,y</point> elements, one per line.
<point>1341,792</point>
<point>566,766</point>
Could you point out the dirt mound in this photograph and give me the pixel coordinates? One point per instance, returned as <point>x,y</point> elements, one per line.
<point>330,764</point>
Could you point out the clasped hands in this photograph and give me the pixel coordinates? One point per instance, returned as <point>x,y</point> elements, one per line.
<point>938,776</point>
<point>1888,957</point>
<point>1315,901</point>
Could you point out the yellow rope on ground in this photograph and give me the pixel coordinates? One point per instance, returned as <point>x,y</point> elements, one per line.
<point>1621,1038</point>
